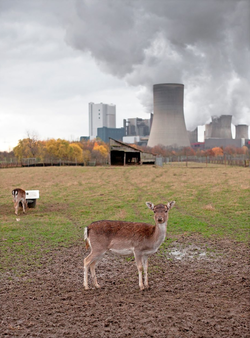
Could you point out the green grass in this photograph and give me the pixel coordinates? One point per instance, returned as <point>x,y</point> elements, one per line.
<point>212,201</point>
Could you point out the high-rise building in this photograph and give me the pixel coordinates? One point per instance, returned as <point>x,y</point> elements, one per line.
<point>101,115</point>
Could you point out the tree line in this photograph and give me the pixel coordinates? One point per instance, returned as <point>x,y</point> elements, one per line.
<point>97,151</point>
<point>188,151</point>
<point>59,149</point>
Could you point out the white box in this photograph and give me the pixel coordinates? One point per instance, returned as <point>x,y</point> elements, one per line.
<point>32,194</point>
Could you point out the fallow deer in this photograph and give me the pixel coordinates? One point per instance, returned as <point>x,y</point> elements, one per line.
<point>19,195</point>
<point>125,238</point>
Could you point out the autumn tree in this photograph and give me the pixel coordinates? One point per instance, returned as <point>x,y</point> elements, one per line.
<point>86,156</point>
<point>242,151</point>
<point>28,148</point>
<point>217,151</point>
<point>76,153</point>
<point>59,149</point>
<point>159,150</point>
<point>209,153</point>
<point>188,151</point>
<point>100,152</point>
<point>229,150</point>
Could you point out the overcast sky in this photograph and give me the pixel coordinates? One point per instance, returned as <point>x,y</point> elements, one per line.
<point>56,56</point>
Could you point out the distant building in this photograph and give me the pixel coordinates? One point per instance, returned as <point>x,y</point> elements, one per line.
<point>226,142</point>
<point>241,131</point>
<point>137,126</point>
<point>221,127</point>
<point>139,140</point>
<point>101,115</point>
<point>84,138</point>
<point>197,135</point>
<point>193,135</point>
<point>105,133</point>
<point>208,131</point>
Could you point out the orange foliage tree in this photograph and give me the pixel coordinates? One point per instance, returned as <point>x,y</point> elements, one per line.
<point>217,151</point>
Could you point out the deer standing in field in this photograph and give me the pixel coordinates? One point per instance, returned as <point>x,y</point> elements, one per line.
<point>19,195</point>
<point>125,238</point>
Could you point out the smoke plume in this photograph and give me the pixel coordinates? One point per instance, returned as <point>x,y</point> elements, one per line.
<point>202,44</point>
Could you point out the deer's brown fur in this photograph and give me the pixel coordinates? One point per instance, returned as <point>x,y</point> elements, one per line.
<point>19,195</point>
<point>140,239</point>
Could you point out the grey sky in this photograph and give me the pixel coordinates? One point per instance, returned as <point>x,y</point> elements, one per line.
<point>57,56</point>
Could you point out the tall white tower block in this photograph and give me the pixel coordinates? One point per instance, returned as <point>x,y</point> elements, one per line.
<point>101,115</point>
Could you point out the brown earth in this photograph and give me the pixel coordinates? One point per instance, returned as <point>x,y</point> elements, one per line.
<point>197,289</point>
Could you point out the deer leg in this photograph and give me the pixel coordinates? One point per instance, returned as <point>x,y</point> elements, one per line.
<point>93,274</point>
<point>90,261</point>
<point>16,206</point>
<point>138,259</point>
<point>86,268</point>
<point>24,206</point>
<point>145,268</point>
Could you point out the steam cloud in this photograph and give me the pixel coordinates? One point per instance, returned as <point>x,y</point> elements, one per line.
<point>202,44</point>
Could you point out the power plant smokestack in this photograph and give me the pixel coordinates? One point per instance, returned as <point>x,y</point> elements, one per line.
<point>221,127</point>
<point>241,131</point>
<point>168,127</point>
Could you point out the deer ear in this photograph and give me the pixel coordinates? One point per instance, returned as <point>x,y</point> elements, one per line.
<point>170,205</point>
<point>150,205</point>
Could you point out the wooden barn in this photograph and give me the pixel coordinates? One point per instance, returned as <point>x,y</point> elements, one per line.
<point>124,154</point>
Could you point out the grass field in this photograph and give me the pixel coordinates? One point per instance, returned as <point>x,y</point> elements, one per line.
<point>211,201</point>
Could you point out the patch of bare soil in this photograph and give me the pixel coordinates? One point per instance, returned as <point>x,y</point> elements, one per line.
<point>197,289</point>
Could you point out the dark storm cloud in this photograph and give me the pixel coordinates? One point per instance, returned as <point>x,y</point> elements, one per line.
<point>203,44</point>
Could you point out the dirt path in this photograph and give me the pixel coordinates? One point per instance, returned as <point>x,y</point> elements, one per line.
<point>198,289</point>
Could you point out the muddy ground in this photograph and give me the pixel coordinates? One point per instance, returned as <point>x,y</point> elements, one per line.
<point>197,289</point>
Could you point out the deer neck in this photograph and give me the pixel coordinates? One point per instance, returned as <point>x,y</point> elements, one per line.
<point>160,233</point>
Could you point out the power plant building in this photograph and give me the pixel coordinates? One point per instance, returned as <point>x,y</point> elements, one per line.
<point>137,126</point>
<point>101,115</point>
<point>241,131</point>
<point>105,133</point>
<point>221,127</point>
<point>208,130</point>
<point>168,126</point>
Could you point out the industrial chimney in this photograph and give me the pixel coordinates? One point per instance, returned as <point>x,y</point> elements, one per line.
<point>221,127</point>
<point>168,127</point>
<point>241,131</point>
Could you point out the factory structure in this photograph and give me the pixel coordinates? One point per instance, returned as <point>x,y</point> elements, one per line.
<point>218,133</point>
<point>166,126</point>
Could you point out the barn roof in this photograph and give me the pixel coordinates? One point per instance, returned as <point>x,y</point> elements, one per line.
<point>113,142</point>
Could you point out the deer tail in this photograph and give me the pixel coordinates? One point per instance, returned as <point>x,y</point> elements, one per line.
<point>86,235</point>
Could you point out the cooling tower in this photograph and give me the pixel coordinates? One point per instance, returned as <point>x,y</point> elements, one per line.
<point>168,127</point>
<point>208,130</point>
<point>241,131</point>
<point>221,127</point>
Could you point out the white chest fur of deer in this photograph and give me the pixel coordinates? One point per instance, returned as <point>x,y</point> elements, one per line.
<point>139,239</point>
<point>19,195</point>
